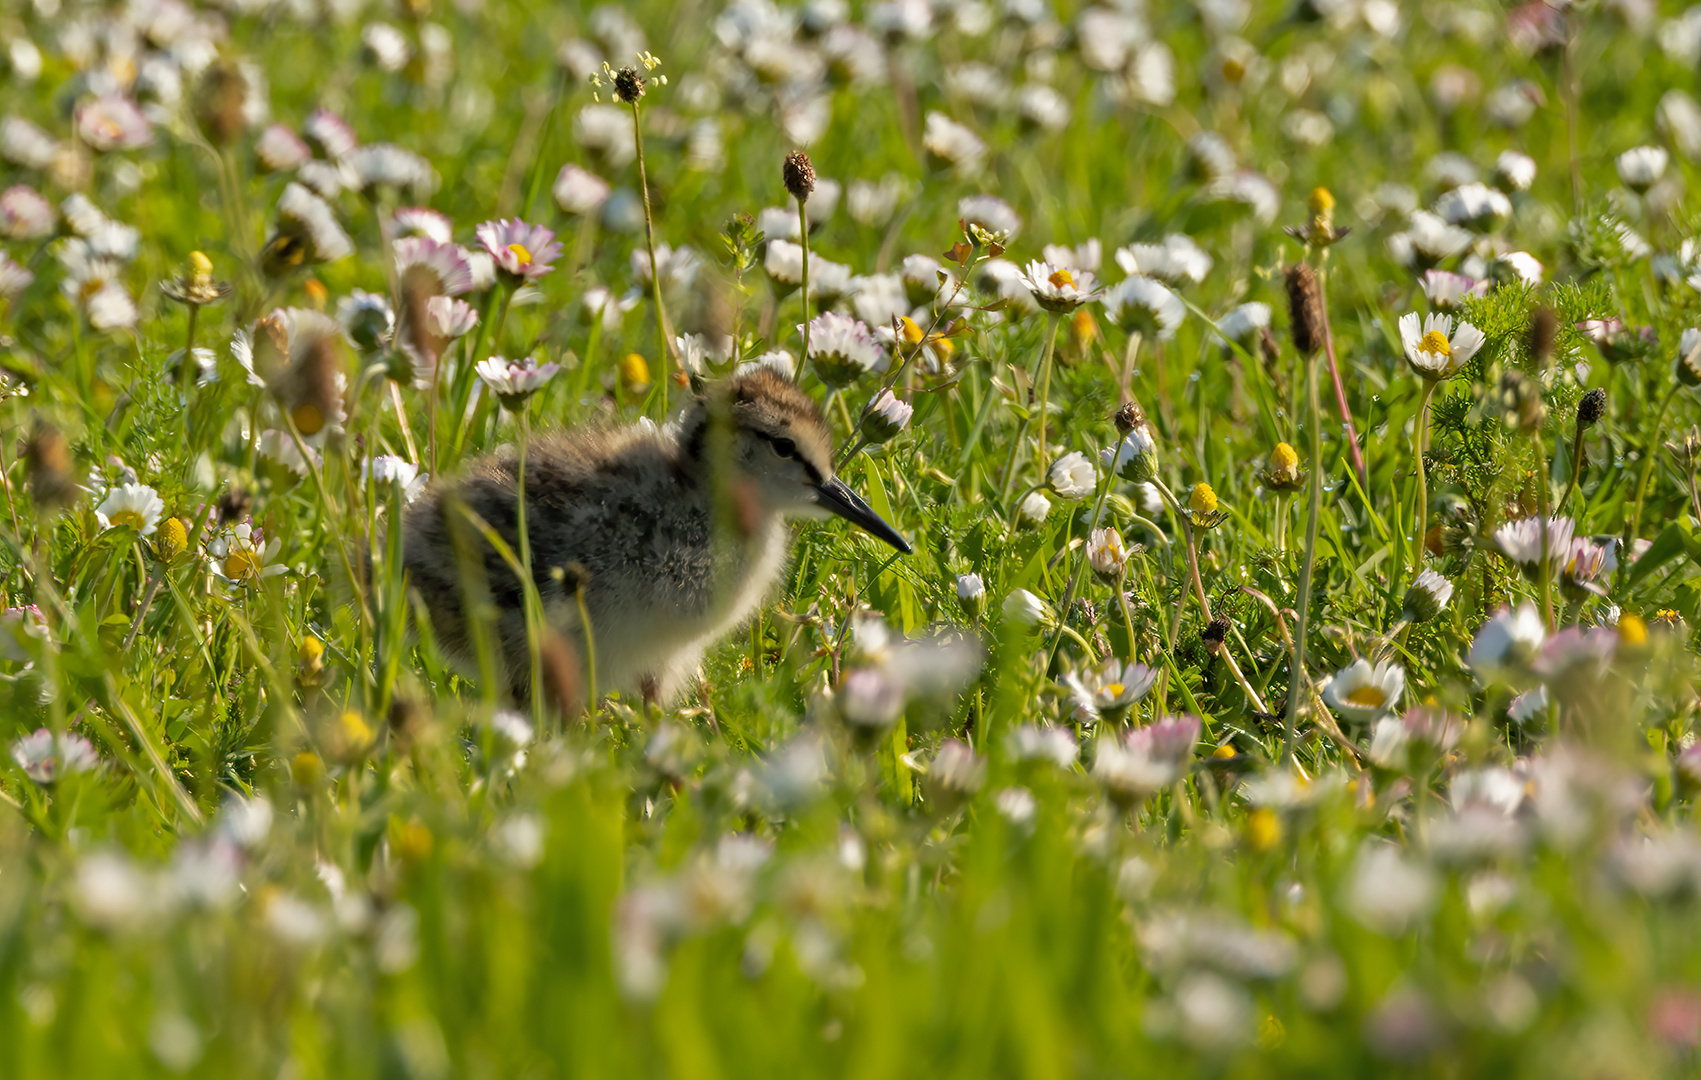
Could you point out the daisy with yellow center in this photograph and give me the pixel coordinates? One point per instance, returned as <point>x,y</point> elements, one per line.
<point>238,556</point>
<point>1434,349</point>
<point>1059,289</point>
<point>133,506</point>
<point>1360,692</point>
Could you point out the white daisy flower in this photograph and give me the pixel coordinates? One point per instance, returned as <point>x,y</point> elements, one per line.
<point>885,418</point>
<point>1641,167</point>
<point>1427,597</point>
<point>387,469</point>
<point>316,221</point>
<point>1514,171</point>
<point>1474,205</point>
<point>1176,261</point>
<point>1243,324</point>
<point>1147,759</point>
<point>136,506</point>
<point>1023,607</point>
<point>1057,289</point>
<point>1083,256</point>
<point>971,594</point>
<point>991,213</point>
<point>1434,349</point>
<point>1447,290</point>
<point>1072,476</point>
<point>1034,509</point>
<point>1521,541</point>
<point>1106,553</point>
<point>1359,692</point>
<point>45,757</point>
<point>241,556</point>
<point>1109,689</point>
<point>1142,304</point>
<point>841,349</point>
<point>385,165</point>
<point>513,381</point>
<point>1029,742</point>
<point>1509,640</point>
<point>952,145</point>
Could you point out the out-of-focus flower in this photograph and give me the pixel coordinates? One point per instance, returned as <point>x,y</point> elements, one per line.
<point>1034,508</point>
<point>1243,325</point>
<point>307,232</point>
<point>1475,206</point>
<point>1054,744</point>
<point>195,285</point>
<point>449,318</point>
<point>1360,692</point>
<point>1427,241</point>
<point>991,214</point>
<point>1175,262</point>
<point>45,757</point>
<point>523,252</point>
<point>1434,350</point>
<point>1387,891</point>
<point>1447,290</point>
<point>14,278</point>
<point>1072,476</point>
<point>1507,642</point>
<point>432,267</point>
<point>113,122</point>
<point>1514,171</point>
<point>579,191</point>
<point>387,469</point>
<point>386,166</point>
<point>956,773</point>
<point>279,149</point>
<point>1137,763</point>
<point>1142,305</point>
<point>93,283</point>
<point>1522,542</point>
<point>134,506</point>
<point>1641,167</point>
<point>514,381</point>
<point>25,214</point>
<point>951,145</point>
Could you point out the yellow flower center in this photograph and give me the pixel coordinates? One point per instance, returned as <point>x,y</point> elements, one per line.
<point>242,565</point>
<point>1114,689</point>
<point>1283,458</point>
<point>1435,343</point>
<point>1368,696</point>
<point>1322,202</point>
<point>130,518</point>
<point>172,539</point>
<point>1223,752</point>
<point>1204,500</point>
<point>308,417</point>
<point>200,265</point>
<point>1061,278</point>
<point>521,254</point>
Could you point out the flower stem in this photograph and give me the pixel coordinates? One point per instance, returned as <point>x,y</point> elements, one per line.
<point>529,592</point>
<point>1045,389</point>
<point>1545,510</point>
<point>1297,676</point>
<point>1420,507</point>
<point>662,334</point>
<point>803,233</point>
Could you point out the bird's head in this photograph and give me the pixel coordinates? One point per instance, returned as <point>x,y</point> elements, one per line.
<point>776,439</point>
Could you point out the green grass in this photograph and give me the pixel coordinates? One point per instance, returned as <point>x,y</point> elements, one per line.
<point>309,846</point>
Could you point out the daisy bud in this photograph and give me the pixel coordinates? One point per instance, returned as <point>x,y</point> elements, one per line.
<point>1034,509</point>
<point>1591,408</point>
<point>1134,458</point>
<point>885,418</point>
<point>1427,597</point>
<point>1305,309</point>
<point>628,85</point>
<point>1025,609</point>
<point>1282,473</point>
<point>1129,417</point>
<point>799,175</point>
<point>1107,554</point>
<point>1216,631</point>
<point>1543,334</point>
<point>971,594</point>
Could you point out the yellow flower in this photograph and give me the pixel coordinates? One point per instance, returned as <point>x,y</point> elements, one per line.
<point>1322,202</point>
<point>913,334</point>
<point>634,371</point>
<point>1263,829</point>
<point>306,768</point>
<point>1203,501</point>
<point>1632,630</point>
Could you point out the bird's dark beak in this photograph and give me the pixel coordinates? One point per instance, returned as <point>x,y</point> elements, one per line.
<point>838,499</point>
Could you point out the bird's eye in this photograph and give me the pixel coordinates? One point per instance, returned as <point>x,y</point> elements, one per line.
<point>785,448</point>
